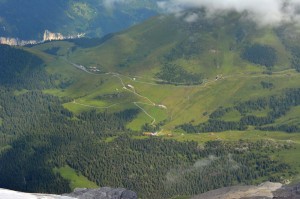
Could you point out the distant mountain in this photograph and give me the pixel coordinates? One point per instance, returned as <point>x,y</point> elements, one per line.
<point>28,20</point>
<point>223,44</point>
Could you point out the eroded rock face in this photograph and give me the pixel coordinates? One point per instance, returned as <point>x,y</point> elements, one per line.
<point>48,36</point>
<point>8,41</point>
<point>103,193</point>
<point>16,41</point>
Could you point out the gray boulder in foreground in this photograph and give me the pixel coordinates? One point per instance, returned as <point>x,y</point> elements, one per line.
<point>103,193</point>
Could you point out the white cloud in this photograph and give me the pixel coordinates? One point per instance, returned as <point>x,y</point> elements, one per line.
<point>191,18</point>
<point>267,12</point>
<point>110,4</point>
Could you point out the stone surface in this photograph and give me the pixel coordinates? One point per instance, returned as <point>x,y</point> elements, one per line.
<point>103,193</point>
<point>266,190</point>
<point>288,192</point>
<point>9,194</point>
<point>100,193</point>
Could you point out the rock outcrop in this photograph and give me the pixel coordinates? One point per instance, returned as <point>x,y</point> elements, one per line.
<point>103,193</point>
<point>266,190</point>
<point>16,41</point>
<point>288,192</point>
<point>48,36</point>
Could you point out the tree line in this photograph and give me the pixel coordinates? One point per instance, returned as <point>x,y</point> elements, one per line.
<point>278,105</point>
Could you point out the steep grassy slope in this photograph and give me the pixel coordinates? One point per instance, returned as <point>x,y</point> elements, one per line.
<point>76,180</point>
<point>207,46</point>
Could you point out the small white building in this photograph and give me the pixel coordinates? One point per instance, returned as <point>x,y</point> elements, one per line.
<point>162,106</point>
<point>130,86</point>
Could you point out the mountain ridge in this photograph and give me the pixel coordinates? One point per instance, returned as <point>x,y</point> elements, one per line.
<point>48,36</point>
<point>93,17</point>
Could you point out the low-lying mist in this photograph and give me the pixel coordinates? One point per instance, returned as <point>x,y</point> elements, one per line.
<point>264,12</point>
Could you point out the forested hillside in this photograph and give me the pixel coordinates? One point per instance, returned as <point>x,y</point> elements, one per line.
<point>21,69</point>
<point>168,108</point>
<point>278,106</point>
<point>43,135</point>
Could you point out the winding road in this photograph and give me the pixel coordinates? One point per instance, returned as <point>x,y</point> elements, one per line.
<point>131,88</point>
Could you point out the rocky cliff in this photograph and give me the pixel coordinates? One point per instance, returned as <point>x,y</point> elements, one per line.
<point>48,36</point>
<point>103,193</point>
<point>16,41</point>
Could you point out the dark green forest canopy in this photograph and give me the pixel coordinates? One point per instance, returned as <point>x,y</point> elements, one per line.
<point>279,105</point>
<point>45,135</point>
<point>261,54</point>
<point>40,131</point>
<point>21,69</point>
<point>174,74</point>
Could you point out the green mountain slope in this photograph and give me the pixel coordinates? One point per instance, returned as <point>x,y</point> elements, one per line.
<point>181,72</point>
<point>209,46</point>
<point>221,93</point>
